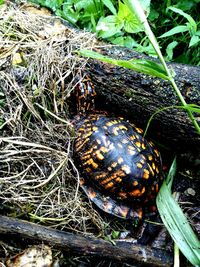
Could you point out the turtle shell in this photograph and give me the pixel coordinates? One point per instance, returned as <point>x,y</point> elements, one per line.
<point>121,169</point>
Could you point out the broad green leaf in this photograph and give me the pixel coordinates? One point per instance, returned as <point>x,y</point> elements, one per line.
<point>177,225</point>
<point>110,6</point>
<point>146,6</point>
<point>109,26</point>
<point>169,49</point>
<point>131,23</point>
<point>87,5</point>
<point>54,4</point>
<point>1,2</point>
<point>144,66</point>
<point>124,41</point>
<point>69,14</point>
<point>197,33</point>
<point>175,30</point>
<point>194,40</point>
<point>187,16</point>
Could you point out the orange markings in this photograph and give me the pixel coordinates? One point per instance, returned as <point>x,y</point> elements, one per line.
<point>143,146</point>
<point>140,213</point>
<point>137,192</point>
<point>115,130</point>
<point>88,169</point>
<point>91,162</point>
<point>118,180</point>
<point>138,144</point>
<point>82,144</point>
<point>153,166</point>
<point>139,165</point>
<point>139,130</point>
<point>114,164</point>
<point>157,170</point>
<point>108,179</point>
<point>157,152</point>
<point>146,174</point>
<point>151,170</point>
<point>150,157</point>
<point>122,127</point>
<point>82,181</point>
<point>132,137</point>
<point>104,149</point>
<point>135,183</point>
<point>123,195</point>
<point>85,156</point>
<point>99,155</point>
<point>157,188</point>
<point>109,185</point>
<point>102,175</point>
<point>81,129</point>
<point>91,193</point>
<point>151,143</point>
<point>94,128</point>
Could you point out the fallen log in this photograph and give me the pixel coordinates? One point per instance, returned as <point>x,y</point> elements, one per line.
<point>79,244</point>
<point>138,96</point>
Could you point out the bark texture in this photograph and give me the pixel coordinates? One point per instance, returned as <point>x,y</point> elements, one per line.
<point>138,96</point>
<point>79,244</point>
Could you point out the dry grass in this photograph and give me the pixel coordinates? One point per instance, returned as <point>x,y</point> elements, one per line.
<point>38,179</point>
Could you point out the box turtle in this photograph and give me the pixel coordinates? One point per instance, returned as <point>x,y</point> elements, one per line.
<point>121,170</point>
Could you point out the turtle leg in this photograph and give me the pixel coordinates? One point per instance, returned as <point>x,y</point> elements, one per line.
<point>110,205</point>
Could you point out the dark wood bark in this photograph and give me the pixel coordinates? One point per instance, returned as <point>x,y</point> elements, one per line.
<point>138,96</point>
<point>79,244</point>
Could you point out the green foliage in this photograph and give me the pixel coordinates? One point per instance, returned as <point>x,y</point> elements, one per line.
<point>176,22</point>
<point>141,65</point>
<point>176,222</point>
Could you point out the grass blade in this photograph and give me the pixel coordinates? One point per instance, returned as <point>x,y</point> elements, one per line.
<point>176,222</point>
<point>145,66</point>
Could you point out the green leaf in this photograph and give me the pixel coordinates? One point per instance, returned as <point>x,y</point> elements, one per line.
<point>110,6</point>
<point>140,65</point>
<point>171,174</point>
<point>177,225</point>
<point>170,48</point>
<point>88,5</point>
<point>131,23</point>
<point>192,107</point>
<point>146,6</point>
<point>109,26</point>
<point>194,40</point>
<point>187,16</point>
<point>69,14</point>
<point>1,2</point>
<point>175,30</point>
<point>124,41</point>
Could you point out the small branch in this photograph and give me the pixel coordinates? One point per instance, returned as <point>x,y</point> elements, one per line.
<point>79,244</point>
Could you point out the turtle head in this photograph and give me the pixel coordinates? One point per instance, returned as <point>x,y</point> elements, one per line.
<point>85,95</point>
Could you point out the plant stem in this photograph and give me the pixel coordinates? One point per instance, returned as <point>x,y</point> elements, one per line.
<point>136,8</point>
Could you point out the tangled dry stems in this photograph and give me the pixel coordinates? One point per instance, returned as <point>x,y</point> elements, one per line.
<point>38,178</point>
